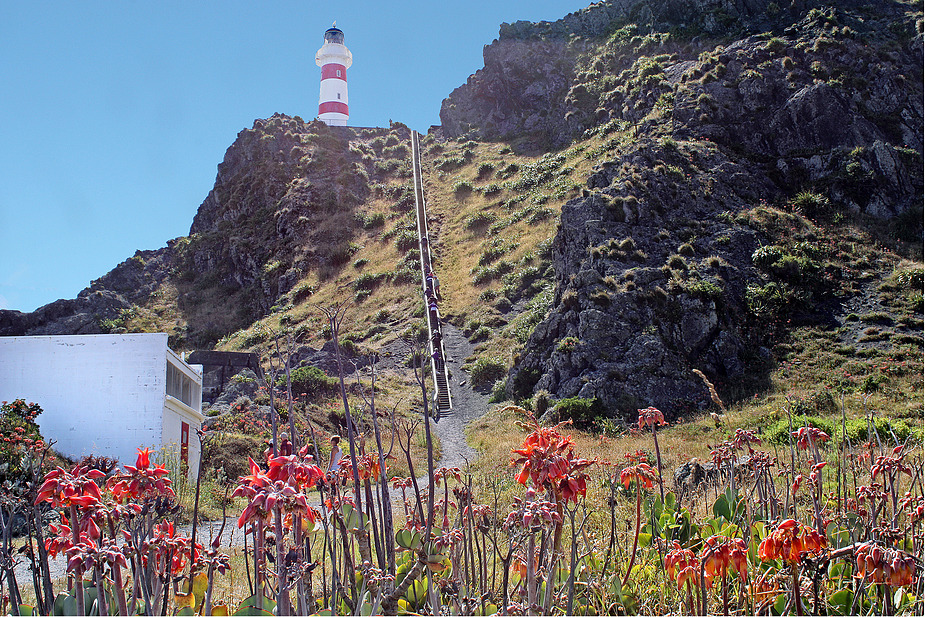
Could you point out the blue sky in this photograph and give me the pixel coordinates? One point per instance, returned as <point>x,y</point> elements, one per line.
<point>116,114</point>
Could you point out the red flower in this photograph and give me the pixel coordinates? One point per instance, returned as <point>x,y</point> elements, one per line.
<point>809,436</point>
<point>682,565</point>
<point>720,554</point>
<point>641,473</point>
<point>790,540</point>
<point>65,488</point>
<point>549,460</point>
<point>650,416</point>
<point>880,564</point>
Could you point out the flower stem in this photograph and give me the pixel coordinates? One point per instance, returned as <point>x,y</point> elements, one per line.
<point>629,568</point>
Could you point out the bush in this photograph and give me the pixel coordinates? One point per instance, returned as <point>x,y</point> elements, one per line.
<point>582,411</point>
<point>373,221</point>
<point>810,204</point>
<point>486,371</point>
<point>480,220</point>
<point>20,435</point>
<point>229,452</point>
<point>858,431</point>
<point>704,290</point>
<point>311,381</point>
<point>462,188</point>
<point>779,432</point>
<point>498,392</point>
<point>676,262</point>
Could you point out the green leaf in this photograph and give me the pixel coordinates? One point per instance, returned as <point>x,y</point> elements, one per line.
<point>251,602</point>
<point>645,539</point>
<point>841,601</point>
<point>670,500</point>
<point>65,604</point>
<point>721,508</point>
<point>27,610</point>
<point>404,538</point>
<point>251,610</point>
<point>780,602</point>
<point>186,611</point>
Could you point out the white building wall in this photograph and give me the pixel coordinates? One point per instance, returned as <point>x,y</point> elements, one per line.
<point>176,412</point>
<point>100,394</point>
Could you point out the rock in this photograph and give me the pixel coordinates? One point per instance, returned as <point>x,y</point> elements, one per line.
<point>244,383</point>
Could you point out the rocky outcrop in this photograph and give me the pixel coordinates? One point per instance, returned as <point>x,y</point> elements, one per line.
<point>82,315</point>
<point>652,270</point>
<point>651,283</point>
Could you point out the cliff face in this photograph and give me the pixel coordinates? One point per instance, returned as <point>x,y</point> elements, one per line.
<point>656,264</point>
<point>283,206</point>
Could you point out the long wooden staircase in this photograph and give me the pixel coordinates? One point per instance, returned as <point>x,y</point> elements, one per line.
<point>443,403</point>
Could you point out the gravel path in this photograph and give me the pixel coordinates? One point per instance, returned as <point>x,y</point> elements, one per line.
<point>468,404</point>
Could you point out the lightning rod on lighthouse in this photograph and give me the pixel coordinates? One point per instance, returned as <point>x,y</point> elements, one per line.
<point>334,59</point>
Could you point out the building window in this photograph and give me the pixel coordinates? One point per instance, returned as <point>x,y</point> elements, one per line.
<point>338,72</point>
<point>338,95</point>
<point>180,386</point>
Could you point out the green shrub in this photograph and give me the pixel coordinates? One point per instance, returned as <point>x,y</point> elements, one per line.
<point>810,204</point>
<point>487,370</point>
<point>481,334</point>
<point>480,220</point>
<point>462,188</point>
<point>857,431</point>
<point>498,392</point>
<point>368,281</point>
<point>406,240</point>
<point>311,381</point>
<point>705,290</point>
<point>230,453</point>
<point>676,262</point>
<point>583,412</point>
<point>485,170</point>
<point>21,437</point>
<point>373,221</point>
<point>568,344</point>
<point>779,432</point>
<point>627,245</point>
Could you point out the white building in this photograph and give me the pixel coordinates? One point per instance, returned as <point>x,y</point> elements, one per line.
<point>107,394</point>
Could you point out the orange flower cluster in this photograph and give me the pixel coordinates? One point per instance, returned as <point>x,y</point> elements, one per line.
<point>885,565</point>
<point>650,416</point>
<point>641,473</point>
<point>720,554</point>
<point>790,540</point>
<point>890,465</point>
<point>743,440</point>
<point>682,565</point>
<point>141,481</point>
<point>549,460</point>
<point>281,486</point>
<point>809,436</point>
<point>66,488</point>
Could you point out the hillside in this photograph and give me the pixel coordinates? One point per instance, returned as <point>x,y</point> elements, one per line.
<point>619,197</point>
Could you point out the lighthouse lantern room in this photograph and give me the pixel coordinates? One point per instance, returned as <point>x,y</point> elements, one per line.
<point>334,59</point>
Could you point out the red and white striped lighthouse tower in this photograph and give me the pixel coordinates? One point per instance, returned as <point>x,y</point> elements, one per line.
<point>334,59</point>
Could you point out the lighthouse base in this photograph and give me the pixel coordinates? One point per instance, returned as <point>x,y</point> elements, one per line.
<point>333,119</point>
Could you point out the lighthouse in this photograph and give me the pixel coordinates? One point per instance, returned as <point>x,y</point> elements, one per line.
<point>334,59</point>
